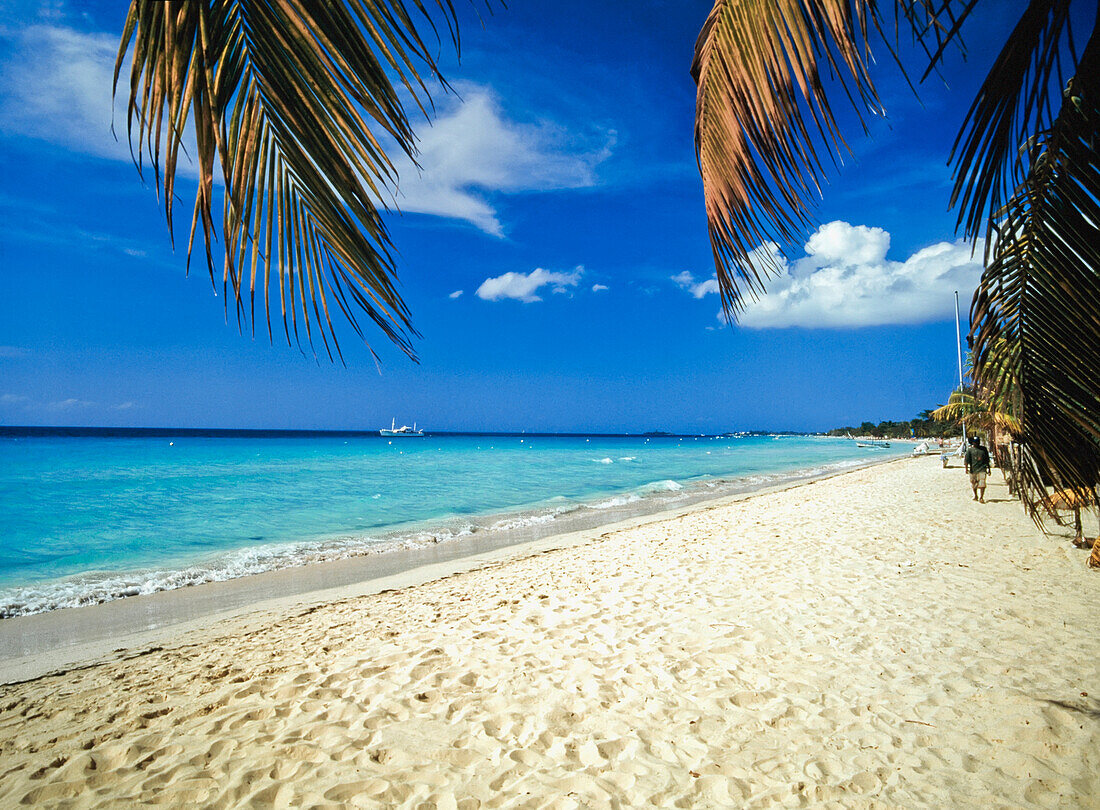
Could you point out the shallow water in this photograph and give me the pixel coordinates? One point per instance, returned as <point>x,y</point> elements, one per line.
<point>89,519</point>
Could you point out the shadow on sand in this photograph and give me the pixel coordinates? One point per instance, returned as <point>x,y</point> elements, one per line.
<point>1088,711</point>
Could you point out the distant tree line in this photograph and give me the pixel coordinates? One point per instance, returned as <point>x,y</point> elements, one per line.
<point>922,426</point>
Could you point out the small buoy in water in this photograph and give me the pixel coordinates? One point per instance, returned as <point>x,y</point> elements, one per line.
<point>171,443</point>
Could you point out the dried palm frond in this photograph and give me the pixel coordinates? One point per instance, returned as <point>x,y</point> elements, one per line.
<point>290,99</point>
<point>1039,295</point>
<point>764,125</point>
<point>763,116</point>
<point>1067,499</point>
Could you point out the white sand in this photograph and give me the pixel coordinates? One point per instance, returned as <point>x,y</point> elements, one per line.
<point>873,640</point>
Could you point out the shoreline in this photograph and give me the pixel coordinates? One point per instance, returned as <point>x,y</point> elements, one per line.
<point>872,639</point>
<point>39,644</point>
<point>361,519</point>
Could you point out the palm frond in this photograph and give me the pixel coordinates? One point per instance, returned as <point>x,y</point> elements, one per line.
<point>763,118</point>
<point>764,125</point>
<point>289,98</point>
<point>936,24</point>
<point>1039,296</point>
<point>980,412</point>
<point>1013,103</point>
<point>960,405</point>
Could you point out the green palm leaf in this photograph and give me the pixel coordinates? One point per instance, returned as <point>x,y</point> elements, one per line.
<point>289,98</point>
<point>1039,295</point>
<point>960,406</point>
<point>980,412</point>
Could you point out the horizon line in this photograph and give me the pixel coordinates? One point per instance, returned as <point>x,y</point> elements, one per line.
<point>91,430</point>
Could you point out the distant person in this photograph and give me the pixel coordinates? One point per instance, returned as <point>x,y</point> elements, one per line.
<point>976,462</point>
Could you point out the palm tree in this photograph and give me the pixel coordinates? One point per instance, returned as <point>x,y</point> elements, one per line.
<point>977,412</point>
<point>986,410</point>
<point>980,412</point>
<point>296,103</point>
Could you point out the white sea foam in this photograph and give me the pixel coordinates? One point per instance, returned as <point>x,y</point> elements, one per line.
<point>95,588</point>
<point>618,500</point>
<point>511,524</point>
<point>663,486</point>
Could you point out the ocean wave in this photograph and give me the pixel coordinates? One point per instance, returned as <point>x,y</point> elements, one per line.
<point>667,485</point>
<point>618,500</point>
<point>524,521</point>
<point>97,588</point>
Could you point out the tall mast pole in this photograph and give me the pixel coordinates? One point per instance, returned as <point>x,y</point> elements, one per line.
<point>958,348</point>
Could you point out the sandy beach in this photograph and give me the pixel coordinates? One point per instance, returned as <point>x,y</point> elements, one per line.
<point>875,639</point>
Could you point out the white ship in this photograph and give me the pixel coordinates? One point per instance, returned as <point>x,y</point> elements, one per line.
<point>404,431</point>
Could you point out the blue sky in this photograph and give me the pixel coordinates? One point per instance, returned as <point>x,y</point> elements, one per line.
<point>559,194</point>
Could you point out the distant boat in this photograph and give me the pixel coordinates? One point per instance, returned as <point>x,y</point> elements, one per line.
<point>401,432</point>
<point>872,443</point>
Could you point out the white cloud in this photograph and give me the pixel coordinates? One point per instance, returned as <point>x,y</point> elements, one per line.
<point>708,287</point>
<point>57,86</point>
<point>69,404</point>
<point>846,281</point>
<point>843,245</point>
<point>523,287</point>
<point>473,150</point>
<point>599,287</point>
<point>51,9</point>
<point>56,82</point>
<point>699,289</point>
<point>455,294</point>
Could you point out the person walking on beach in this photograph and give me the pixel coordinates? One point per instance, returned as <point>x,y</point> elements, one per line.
<point>976,462</point>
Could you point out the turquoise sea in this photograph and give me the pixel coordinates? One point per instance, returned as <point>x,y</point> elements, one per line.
<point>86,519</point>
